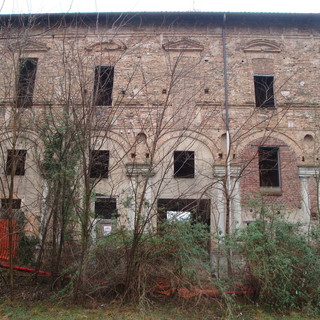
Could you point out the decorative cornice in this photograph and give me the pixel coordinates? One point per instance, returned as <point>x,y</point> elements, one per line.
<point>220,171</point>
<point>135,169</point>
<point>308,171</point>
<point>107,46</point>
<point>262,45</point>
<point>183,45</point>
<point>28,46</point>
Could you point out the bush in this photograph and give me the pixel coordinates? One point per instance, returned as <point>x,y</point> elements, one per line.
<point>178,253</point>
<point>281,263</point>
<point>26,250</point>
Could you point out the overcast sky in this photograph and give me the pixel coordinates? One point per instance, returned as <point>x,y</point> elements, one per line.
<point>45,6</point>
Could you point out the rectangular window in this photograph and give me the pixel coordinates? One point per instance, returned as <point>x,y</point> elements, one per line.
<point>99,163</point>
<point>183,164</point>
<point>269,167</point>
<point>103,85</point>
<point>16,160</point>
<point>5,207</point>
<point>5,203</point>
<point>27,78</point>
<point>263,87</point>
<point>198,210</point>
<point>105,208</point>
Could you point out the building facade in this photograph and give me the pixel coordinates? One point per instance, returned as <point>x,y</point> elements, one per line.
<point>134,118</point>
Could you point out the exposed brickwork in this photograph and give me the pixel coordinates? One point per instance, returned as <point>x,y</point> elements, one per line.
<point>289,197</point>
<point>169,85</point>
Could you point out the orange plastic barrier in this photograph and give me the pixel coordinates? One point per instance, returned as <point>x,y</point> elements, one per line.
<point>163,287</point>
<point>4,239</point>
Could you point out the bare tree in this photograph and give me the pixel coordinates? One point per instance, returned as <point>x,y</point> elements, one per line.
<point>126,133</point>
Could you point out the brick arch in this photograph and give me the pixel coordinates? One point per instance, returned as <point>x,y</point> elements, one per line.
<point>288,196</point>
<point>199,182</point>
<point>117,139</point>
<point>27,140</point>
<point>264,136</point>
<point>208,143</point>
<point>27,135</point>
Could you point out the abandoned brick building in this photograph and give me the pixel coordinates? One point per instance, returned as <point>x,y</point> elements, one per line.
<point>208,115</point>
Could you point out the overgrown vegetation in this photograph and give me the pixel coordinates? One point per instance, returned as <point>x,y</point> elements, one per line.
<point>280,262</point>
<point>59,168</point>
<point>177,255</point>
<point>277,261</point>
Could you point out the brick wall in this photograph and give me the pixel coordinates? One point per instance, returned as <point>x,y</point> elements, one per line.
<point>149,82</point>
<point>290,195</point>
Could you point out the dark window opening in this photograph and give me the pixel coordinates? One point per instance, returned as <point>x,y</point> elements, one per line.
<point>27,77</point>
<point>105,208</point>
<point>5,203</point>
<point>183,164</point>
<point>198,210</point>
<point>269,167</point>
<point>263,87</point>
<point>16,160</point>
<point>103,85</point>
<point>5,209</point>
<point>99,163</point>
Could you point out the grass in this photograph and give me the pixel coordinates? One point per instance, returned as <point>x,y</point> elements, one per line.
<point>115,311</point>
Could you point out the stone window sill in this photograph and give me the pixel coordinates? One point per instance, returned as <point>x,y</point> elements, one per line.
<point>271,191</point>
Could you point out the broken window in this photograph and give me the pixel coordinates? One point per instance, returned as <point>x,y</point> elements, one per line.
<point>27,77</point>
<point>5,203</point>
<point>16,160</point>
<point>196,210</point>
<point>103,85</point>
<point>183,164</point>
<point>105,208</point>
<point>263,87</point>
<point>99,163</point>
<point>5,208</point>
<point>269,167</point>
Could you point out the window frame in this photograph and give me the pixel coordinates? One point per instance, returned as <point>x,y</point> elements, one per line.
<point>99,170</point>
<point>184,161</point>
<point>269,102</point>
<point>26,82</point>
<point>266,185</point>
<point>200,209</point>
<point>111,202</point>
<point>103,85</point>
<point>16,203</point>
<point>16,212</point>
<point>21,157</point>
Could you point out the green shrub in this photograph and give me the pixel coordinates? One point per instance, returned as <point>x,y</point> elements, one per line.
<point>26,250</point>
<point>178,253</point>
<point>281,263</point>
